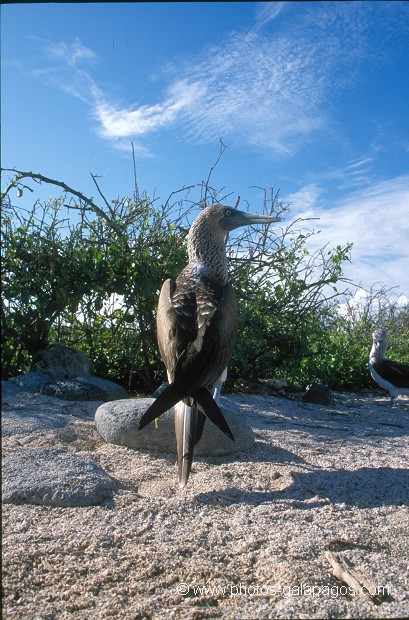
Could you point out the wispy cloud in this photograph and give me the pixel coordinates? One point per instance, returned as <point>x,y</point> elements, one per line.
<point>68,68</point>
<point>305,198</point>
<point>254,94</point>
<point>354,175</point>
<point>137,121</point>
<point>266,88</point>
<point>261,91</point>
<point>73,54</point>
<point>265,13</point>
<point>375,220</point>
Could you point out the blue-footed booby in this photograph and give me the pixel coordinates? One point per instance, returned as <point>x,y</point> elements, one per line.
<point>196,328</point>
<point>392,376</point>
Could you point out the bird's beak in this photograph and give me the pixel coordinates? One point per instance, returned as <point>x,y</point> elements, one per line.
<point>241,218</point>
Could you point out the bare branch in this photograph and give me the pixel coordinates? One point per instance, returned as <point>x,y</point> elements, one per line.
<point>136,189</point>
<point>94,178</point>
<point>182,189</point>
<point>40,178</point>
<point>223,147</point>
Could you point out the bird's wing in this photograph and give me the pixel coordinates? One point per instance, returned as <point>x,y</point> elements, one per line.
<point>394,372</point>
<point>204,355</point>
<point>165,321</point>
<point>196,332</point>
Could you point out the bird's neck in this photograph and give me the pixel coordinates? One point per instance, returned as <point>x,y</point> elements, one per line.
<point>378,353</point>
<point>207,252</point>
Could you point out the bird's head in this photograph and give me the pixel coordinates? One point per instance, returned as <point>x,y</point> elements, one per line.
<point>206,240</point>
<point>228,219</point>
<point>379,335</point>
<point>380,343</point>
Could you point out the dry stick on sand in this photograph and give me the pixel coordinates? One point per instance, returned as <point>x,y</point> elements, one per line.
<point>362,587</point>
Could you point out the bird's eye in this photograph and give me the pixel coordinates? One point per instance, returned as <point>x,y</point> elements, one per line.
<point>227,213</point>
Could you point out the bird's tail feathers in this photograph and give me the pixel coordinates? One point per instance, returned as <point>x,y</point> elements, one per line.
<point>201,419</point>
<point>166,400</point>
<point>189,424</point>
<point>189,421</point>
<point>211,409</point>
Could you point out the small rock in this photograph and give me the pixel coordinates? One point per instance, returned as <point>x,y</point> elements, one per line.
<point>54,478</point>
<point>9,390</point>
<point>27,413</point>
<point>318,393</point>
<point>276,384</point>
<point>24,413</point>
<point>117,423</point>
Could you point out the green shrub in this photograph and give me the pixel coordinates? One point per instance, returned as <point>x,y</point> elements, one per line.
<point>92,281</point>
<point>59,279</point>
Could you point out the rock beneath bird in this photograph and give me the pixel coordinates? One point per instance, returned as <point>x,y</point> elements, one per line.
<point>118,422</point>
<point>49,477</point>
<point>318,393</point>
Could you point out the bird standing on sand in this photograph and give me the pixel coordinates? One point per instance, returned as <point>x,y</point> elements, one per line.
<point>392,376</point>
<point>196,326</point>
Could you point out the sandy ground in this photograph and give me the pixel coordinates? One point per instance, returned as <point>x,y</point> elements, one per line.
<point>248,537</point>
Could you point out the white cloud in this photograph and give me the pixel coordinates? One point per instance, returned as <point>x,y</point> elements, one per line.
<point>265,13</point>
<point>261,91</point>
<point>68,68</point>
<point>266,87</point>
<point>368,302</point>
<point>355,174</point>
<point>305,198</point>
<point>375,220</point>
<point>70,53</point>
<point>132,122</point>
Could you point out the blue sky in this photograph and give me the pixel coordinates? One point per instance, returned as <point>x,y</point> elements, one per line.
<point>309,97</point>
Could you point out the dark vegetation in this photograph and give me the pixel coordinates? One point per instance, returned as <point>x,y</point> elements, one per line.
<point>88,275</point>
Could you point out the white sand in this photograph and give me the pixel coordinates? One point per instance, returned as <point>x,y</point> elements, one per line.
<point>247,537</point>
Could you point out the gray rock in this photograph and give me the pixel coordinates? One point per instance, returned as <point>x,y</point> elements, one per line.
<point>54,478</point>
<point>72,389</point>
<point>34,382</point>
<point>318,393</point>
<point>61,362</point>
<point>117,422</point>
<point>110,389</point>
<point>9,390</point>
<point>24,413</point>
<point>79,388</point>
<point>19,418</point>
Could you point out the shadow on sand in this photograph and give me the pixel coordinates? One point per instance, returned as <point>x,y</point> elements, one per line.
<point>364,488</point>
